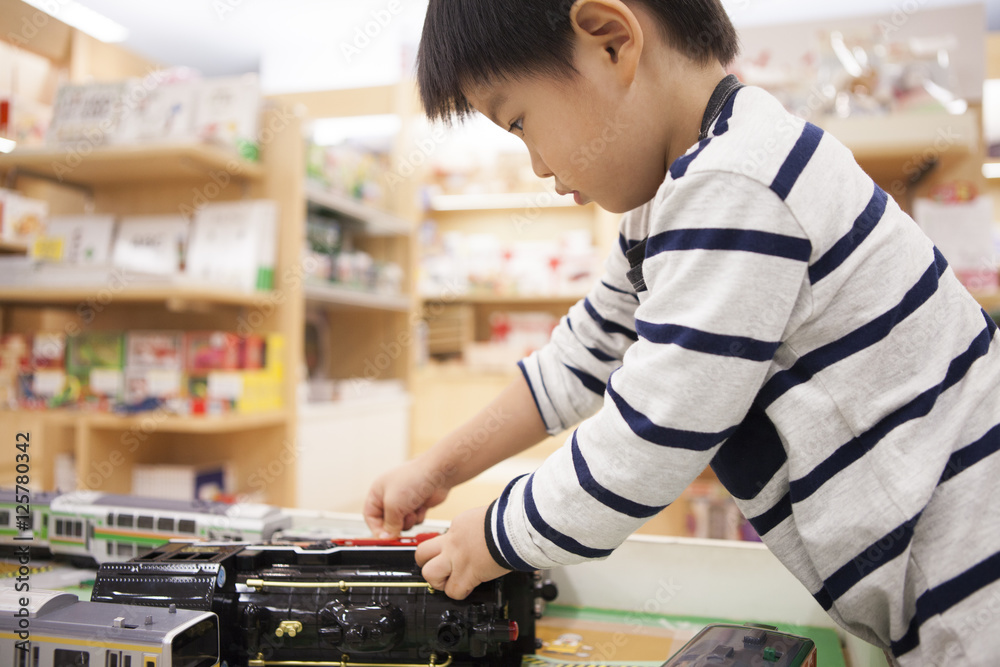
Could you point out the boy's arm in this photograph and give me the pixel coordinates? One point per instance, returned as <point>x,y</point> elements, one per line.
<point>399,499</point>
<point>568,376</point>
<point>559,385</point>
<point>725,265</point>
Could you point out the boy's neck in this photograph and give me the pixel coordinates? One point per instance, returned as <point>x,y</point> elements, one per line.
<point>687,110</point>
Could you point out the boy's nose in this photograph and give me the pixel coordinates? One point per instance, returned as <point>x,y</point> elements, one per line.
<point>537,165</point>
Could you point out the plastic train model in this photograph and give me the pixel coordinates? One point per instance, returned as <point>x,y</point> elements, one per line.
<point>349,604</point>
<point>56,629</point>
<point>89,526</point>
<point>750,645</point>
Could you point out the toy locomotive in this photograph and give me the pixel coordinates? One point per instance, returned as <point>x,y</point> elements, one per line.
<point>55,629</point>
<point>335,603</point>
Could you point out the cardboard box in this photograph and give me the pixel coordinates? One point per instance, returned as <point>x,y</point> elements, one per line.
<point>154,350</point>
<point>211,350</point>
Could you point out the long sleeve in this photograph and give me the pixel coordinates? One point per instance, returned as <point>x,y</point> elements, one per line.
<point>567,377</point>
<point>725,265</point>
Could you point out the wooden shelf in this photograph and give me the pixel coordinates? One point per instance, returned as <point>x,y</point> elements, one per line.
<point>377,223</point>
<point>148,163</point>
<point>170,295</point>
<point>345,296</point>
<point>12,248</point>
<point>990,301</point>
<point>162,423</point>
<point>514,299</point>
<point>209,424</point>
<point>500,201</point>
<point>893,148</point>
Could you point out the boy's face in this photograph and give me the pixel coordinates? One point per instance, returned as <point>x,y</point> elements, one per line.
<point>580,132</point>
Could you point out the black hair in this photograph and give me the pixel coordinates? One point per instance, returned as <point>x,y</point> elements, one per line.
<point>469,42</point>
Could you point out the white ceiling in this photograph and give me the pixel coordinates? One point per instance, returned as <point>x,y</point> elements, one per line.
<point>300,44</point>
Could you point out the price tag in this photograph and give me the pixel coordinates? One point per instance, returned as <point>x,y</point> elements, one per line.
<point>48,248</point>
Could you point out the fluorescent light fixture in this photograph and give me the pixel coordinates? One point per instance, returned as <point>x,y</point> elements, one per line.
<point>83,18</point>
<point>991,170</point>
<point>7,145</point>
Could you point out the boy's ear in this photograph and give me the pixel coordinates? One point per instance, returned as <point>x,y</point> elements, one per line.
<point>610,27</point>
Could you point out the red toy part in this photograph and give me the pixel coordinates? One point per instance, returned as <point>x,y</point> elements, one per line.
<point>376,542</point>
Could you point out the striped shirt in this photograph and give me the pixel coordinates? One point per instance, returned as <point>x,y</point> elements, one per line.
<point>773,313</point>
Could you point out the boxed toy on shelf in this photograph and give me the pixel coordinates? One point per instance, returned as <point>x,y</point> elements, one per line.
<point>164,106</point>
<point>331,257</point>
<point>152,244</point>
<point>234,244</point>
<point>193,373</point>
<point>22,219</point>
<point>96,360</point>
<point>80,239</point>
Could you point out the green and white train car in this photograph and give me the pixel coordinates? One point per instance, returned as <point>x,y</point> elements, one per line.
<point>109,527</point>
<point>56,629</point>
<point>25,517</point>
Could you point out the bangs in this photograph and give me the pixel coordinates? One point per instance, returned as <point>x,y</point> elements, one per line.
<point>470,43</point>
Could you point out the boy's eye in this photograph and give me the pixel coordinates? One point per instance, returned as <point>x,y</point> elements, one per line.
<point>517,125</point>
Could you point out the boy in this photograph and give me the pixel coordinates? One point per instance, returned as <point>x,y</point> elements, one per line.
<point>770,311</point>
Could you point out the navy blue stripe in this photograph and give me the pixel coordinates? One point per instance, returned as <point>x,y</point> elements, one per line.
<point>491,543</point>
<point>621,291</point>
<point>859,339</point>
<point>748,461</point>
<point>626,244</point>
<point>605,496</point>
<point>941,598</point>
<point>860,231</point>
<point>970,455</point>
<point>503,542</point>
<point>600,355</point>
<point>681,164</point>
<point>588,380</point>
<point>662,435</point>
<point>797,160</point>
<point>722,124</point>
<point>743,240</point>
<point>708,343</point>
<point>524,372</point>
<point>857,447</point>
<point>561,540</point>
<point>608,326</point>
<point>823,598</point>
<point>769,520</point>
<point>990,324</point>
<point>871,558</point>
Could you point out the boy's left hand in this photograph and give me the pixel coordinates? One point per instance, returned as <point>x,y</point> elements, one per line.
<point>459,560</point>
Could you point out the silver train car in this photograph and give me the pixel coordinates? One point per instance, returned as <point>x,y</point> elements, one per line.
<point>90,526</point>
<point>56,629</point>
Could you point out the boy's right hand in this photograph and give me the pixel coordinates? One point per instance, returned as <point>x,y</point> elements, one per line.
<point>399,499</point>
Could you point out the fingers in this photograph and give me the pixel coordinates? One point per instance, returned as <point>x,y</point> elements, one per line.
<point>372,511</point>
<point>429,549</point>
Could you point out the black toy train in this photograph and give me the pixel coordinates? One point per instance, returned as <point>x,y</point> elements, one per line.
<point>347,603</point>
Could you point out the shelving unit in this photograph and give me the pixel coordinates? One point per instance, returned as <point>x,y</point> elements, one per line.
<point>335,295</point>
<point>109,165</point>
<point>894,149</point>
<point>158,179</point>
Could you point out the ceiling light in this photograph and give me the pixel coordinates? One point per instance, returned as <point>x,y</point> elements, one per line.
<point>83,18</point>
